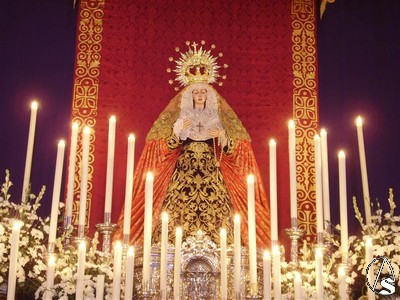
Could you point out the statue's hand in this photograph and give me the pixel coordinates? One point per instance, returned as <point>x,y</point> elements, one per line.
<point>186,124</point>
<point>214,133</point>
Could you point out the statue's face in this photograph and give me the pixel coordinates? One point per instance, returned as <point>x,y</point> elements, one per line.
<point>199,96</point>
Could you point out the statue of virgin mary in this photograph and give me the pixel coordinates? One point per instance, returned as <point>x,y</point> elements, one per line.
<point>200,155</point>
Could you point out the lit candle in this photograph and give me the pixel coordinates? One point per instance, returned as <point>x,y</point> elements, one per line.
<point>252,235</point>
<point>368,259</point>
<point>29,149</point>
<point>318,186</point>
<point>84,181</point>
<point>110,169</point>
<point>100,287</point>
<point>116,285</point>
<point>130,265</point>
<point>71,174</point>
<point>342,283</point>
<point>81,271</point>
<point>148,215</point>
<point>163,258</point>
<point>237,255</point>
<point>297,286</point>
<point>177,263</point>
<point>14,250</point>
<point>343,205</point>
<point>56,194</point>
<point>51,265</point>
<point>273,191</point>
<point>224,278</point>
<point>292,171</point>
<point>319,274</point>
<point>276,271</point>
<point>129,187</point>
<point>267,275</point>
<point>363,166</point>
<point>325,176</point>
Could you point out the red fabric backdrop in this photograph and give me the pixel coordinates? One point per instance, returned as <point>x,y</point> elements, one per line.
<point>138,37</point>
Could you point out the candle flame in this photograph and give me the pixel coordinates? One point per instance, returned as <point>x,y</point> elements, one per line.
<point>82,246</point>
<point>149,176</point>
<point>118,244</point>
<point>237,218</point>
<point>17,224</point>
<point>341,271</point>
<point>275,249</point>
<point>86,130</point>
<point>291,124</point>
<point>75,125</point>
<point>267,255</point>
<point>359,121</point>
<point>323,132</point>
<point>297,276</point>
<point>61,143</point>
<point>368,242</point>
<point>52,259</point>
<point>318,252</point>
<point>164,216</point>
<point>316,137</point>
<point>112,119</point>
<point>223,232</point>
<point>272,142</point>
<point>131,137</point>
<point>131,251</point>
<point>250,178</point>
<point>178,231</point>
<point>341,154</point>
<point>34,105</point>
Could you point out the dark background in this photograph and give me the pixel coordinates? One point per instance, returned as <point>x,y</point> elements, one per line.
<point>358,48</point>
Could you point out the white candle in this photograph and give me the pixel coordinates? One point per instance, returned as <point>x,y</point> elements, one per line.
<point>368,259</point>
<point>237,255</point>
<point>318,185</point>
<point>267,275</point>
<point>319,274</point>
<point>129,187</point>
<point>297,286</point>
<point>292,170</point>
<point>343,205</point>
<point>81,271</point>
<point>110,169</point>
<point>84,181</point>
<point>51,265</point>
<point>276,271</point>
<point>342,283</point>
<point>130,268</point>
<point>177,263</point>
<point>164,253</point>
<point>29,149</point>
<point>56,193</point>
<point>363,166</point>
<point>71,172</point>
<point>116,285</point>
<point>325,176</point>
<point>100,287</point>
<point>252,234</point>
<point>273,190</point>
<point>224,278</point>
<point>14,250</point>
<point>148,215</point>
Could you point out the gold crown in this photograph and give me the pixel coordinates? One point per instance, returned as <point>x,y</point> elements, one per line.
<point>196,65</point>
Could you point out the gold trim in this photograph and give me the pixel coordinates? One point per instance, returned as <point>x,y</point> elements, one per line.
<point>305,110</point>
<point>86,89</point>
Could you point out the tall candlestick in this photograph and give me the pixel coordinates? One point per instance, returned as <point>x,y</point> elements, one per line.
<point>130,265</point>
<point>100,287</point>
<point>276,271</point>
<point>14,250</point>
<point>297,286</point>
<point>129,187</point>
<point>148,215</point>
<point>81,271</point>
<point>163,258</point>
<point>56,194</point>
<point>368,259</point>
<point>177,263</point>
<point>292,170</point>
<point>116,285</point>
<point>343,205</point>
<point>71,174</point>
<point>267,275</point>
<point>224,277</point>
<point>325,176</point>
<point>29,149</point>
<point>363,165</point>
<point>84,181</point>
<point>318,186</point>
<point>110,169</point>
<point>237,255</point>
<point>342,283</point>
<point>51,265</point>
<point>273,190</point>
<point>319,274</point>
<point>252,235</point>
